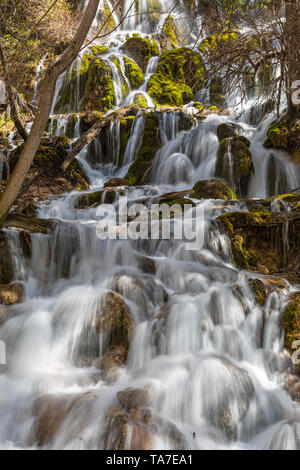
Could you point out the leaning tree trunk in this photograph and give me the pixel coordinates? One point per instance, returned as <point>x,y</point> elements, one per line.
<point>293,54</point>
<point>11,97</point>
<point>46,95</point>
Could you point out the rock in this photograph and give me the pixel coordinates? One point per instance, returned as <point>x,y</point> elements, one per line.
<point>227,130</point>
<point>119,422</point>
<point>177,198</point>
<point>234,163</point>
<point>171,32</point>
<point>131,398</point>
<point>291,322</point>
<point>263,287</point>
<point>213,189</point>
<point>141,50</point>
<point>180,74</point>
<point>115,182</point>
<point>51,411</point>
<point>115,323</point>
<point>138,172</point>
<point>104,196</point>
<point>11,294</point>
<point>96,90</point>
<point>147,265</point>
<point>140,101</point>
<point>133,73</point>
<point>6,260</point>
<point>259,242</point>
<point>285,135</point>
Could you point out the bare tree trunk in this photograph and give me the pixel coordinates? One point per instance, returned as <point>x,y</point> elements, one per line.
<point>46,95</point>
<point>293,52</point>
<point>11,97</point>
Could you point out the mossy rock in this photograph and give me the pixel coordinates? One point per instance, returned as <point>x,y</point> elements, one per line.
<point>94,199</point>
<point>291,323</point>
<point>106,20</point>
<point>76,79</point>
<point>133,73</point>
<point>99,92</point>
<point>258,240</point>
<point>213,189</point>
<point>139,170</point>
<point>170,31</point>
<point>234,163</point>
<point>6,260</point>
<point>141,50</point>
<point>115,182</point>
<point>227,130</point>
<point>285,135</point>
<point>176,198</point>
<point>140,101</point>
<point>180,74</point>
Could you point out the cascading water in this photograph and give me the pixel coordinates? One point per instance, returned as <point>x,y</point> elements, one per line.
<point>211,358</point>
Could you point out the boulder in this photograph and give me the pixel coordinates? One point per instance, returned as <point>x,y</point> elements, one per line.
<point>180,74</point>
<point>133,73</point>
<point>141,50</point>
<point>234,163</point>
<point>115,323</point>
<point>213,189</point>
<point>11,294</point>
<point>227,130</point>
<point>115,182</point>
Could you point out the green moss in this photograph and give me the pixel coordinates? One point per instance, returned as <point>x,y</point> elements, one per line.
<point>96,198</point>
<point>106,19</point>
<point>140,101</point>
<point>125,132</point>
<point>198,106</point>
<point>78,76</point>
<point>180,73</point>
<point>138,171</point>
<point>99,91</point>
<point>277,137</point>
<point>141,50</point>
<point>133,73</point>
<point>213,189</point>
<point>259,291</point>
<point>217,41</point>
<point>291,322</point>
<point>169,30</point>
<point>124,84</point>
<point>237,168</point>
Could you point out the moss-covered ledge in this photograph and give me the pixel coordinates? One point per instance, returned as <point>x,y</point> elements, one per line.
<point>259,242</point>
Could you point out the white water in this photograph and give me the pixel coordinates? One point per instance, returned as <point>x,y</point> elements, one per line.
<point>215,365</point>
